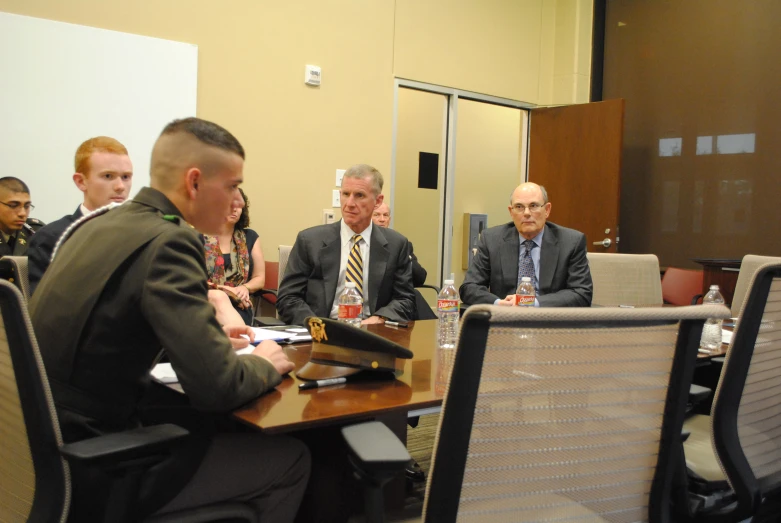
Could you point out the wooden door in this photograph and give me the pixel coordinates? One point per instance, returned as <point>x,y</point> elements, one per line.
<point>575,153</point>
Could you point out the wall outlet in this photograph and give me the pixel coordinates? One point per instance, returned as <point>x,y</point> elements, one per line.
<point>339,176</point>
<point>337,202</point>
<point>328,216</point>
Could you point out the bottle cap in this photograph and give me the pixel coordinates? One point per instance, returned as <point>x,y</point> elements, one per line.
<point>448,282</point>
<point>714,287</point>
<point>526,278</point>
<point>349,285</point>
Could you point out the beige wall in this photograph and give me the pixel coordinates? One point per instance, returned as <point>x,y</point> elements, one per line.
<point>251,60</point>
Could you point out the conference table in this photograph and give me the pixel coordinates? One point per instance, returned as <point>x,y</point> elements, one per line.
<point>419,386</point>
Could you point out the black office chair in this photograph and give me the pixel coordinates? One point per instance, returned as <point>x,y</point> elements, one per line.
<point>14,270</point>
<point>733,456</point>
<point>555,415</point>
<point>423,310</point>
<point>35,481</point>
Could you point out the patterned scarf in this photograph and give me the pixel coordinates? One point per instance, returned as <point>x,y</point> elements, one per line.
<point>215,263</point>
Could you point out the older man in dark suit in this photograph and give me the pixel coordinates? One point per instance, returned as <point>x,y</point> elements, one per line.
<point>325,257</point>
<point>554,257</point>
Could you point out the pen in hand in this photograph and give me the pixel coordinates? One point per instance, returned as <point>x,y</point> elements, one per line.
<point>321,383</point>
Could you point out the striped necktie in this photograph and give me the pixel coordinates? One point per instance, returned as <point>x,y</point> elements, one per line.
<point>355,264</point>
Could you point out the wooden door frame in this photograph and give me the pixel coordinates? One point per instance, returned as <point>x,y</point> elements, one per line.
<point>449,146</point>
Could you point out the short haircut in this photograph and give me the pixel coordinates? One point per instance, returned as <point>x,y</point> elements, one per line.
<point>362,171</point>
<point>243,222</point>
<point>206,132</point>
<point>99,144</point>
<point>14,184</point>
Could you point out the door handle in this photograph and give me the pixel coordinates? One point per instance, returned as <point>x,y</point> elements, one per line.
<point>604,243</point>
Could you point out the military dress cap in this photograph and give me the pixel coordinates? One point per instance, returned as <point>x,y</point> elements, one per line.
<point>339,349</point>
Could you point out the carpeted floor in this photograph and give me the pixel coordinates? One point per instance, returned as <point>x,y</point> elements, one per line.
<point>420,442</point>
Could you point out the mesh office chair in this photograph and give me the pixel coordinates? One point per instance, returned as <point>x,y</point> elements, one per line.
<point>14,269</point>
<point>738,447</point>
<point>625,279</point>
<point>681,286</point>
<point>748,266</point>
<point>559,415</point>
<point>35,483</point>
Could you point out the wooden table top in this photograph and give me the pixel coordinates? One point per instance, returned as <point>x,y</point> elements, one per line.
<point>420,385</point>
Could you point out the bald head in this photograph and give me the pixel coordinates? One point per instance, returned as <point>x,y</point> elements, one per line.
<point>381,215</point>
<point>529,208</point>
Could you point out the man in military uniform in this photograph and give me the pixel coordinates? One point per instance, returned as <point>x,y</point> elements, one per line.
<point>16,226</point>
<point>134,280</point>
<point>104,174</point>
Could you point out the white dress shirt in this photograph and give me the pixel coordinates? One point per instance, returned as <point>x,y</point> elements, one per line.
<point>346,235</point>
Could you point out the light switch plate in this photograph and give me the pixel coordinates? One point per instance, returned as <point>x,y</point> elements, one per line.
<point>336,198</point>
<point>328,216</point>
<point>339,176</point>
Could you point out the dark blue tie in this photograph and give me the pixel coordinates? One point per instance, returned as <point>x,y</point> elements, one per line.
<point>526,264</point>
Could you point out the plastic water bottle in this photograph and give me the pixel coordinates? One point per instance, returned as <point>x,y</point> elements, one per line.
<point>350,305</point>
<point>711,330</point>
<point>524,295</point>
<point>447,310</point>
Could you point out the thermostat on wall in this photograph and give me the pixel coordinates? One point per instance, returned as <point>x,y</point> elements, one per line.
<point>312,75</point>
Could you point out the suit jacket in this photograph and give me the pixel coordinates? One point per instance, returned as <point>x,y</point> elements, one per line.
<point>125,284</point>
<point>418,272</point>
<point>22,239</point>
<point>565,278</point>
<point>41,246</point>
<point>309,284</point>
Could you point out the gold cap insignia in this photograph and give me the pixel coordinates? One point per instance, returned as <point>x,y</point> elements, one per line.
<point>317,328</point>
<point>21,241</point>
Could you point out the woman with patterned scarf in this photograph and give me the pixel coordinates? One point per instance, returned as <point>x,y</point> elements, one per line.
<point>236,267</point>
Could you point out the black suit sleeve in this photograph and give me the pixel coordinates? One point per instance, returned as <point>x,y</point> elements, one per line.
<point>418,273</point>
<point>402,303</point>
<point>478,277</point>
<point>291,297</point>
<point>579,288</point>
<point>39,255</point>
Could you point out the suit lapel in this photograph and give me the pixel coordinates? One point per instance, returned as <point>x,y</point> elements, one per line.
<point>509,257</point>
<point>549,257</point>
<point>330,256</point>
<point>378,260</point>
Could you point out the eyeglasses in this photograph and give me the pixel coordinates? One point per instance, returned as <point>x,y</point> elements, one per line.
<point>15,206</point>
<point>533,207</point>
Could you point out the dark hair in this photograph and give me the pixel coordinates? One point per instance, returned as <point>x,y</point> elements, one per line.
<point>243,222</point>
<point>14,184</point>
<point>207,132</point>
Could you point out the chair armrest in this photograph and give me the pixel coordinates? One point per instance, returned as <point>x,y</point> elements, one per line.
<point>124,446</point>
<point>261,292</point>
<point>696,298</point>
<point>374,448</point>
<point>698,393</point>
<point>428,287</point>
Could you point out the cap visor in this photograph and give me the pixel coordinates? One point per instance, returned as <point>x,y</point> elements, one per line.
<point>316,371</point>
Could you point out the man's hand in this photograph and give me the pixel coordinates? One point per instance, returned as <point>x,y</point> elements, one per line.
<point>235,332</point>
<point>373,319</point>
<point>509,301</point>
<point>271,351</point>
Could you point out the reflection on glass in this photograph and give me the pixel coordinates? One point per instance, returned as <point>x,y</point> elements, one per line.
<point>734,208</point>
<point>445,360</point>
<point>670,200</point>
<point>698,205</point>
<point>735,143</point>
<point>704,145</point>
<point>670,146</point>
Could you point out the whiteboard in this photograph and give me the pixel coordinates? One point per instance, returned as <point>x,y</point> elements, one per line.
<point>61,84</point>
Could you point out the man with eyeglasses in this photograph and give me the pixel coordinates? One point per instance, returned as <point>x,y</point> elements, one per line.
<point>554,257</point>
<point>16,226</point>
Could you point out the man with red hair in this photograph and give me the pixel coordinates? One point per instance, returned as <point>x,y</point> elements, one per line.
<point>104,174</point>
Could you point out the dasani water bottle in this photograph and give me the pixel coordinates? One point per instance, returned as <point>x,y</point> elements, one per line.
<point>447,310</point>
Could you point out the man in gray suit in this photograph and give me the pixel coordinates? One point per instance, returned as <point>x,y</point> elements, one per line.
<point>326,256</point>
<point>553,256</point>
